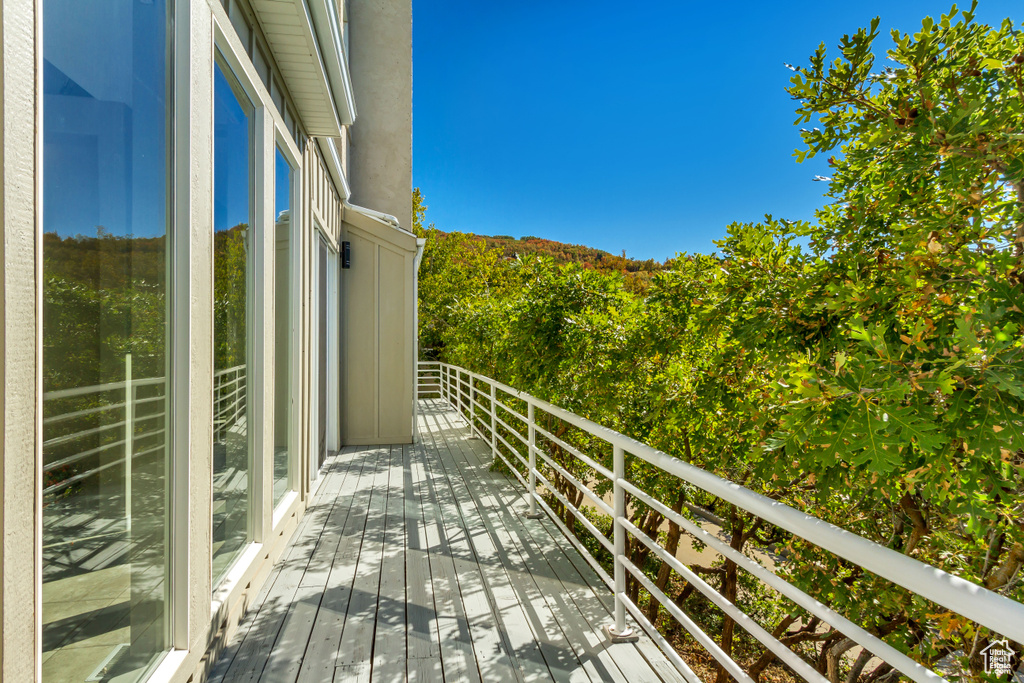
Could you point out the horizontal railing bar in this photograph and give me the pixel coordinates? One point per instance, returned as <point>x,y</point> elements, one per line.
<point>584,553</point>
<point>49,467</point>
<point>479,431</point>
<point>666,647</point>
<point>526,441</point>
<point>734,669</point>
<point>146,435</point>
<point>67,438</point>
<point>154,449</point>
<point>601,469</point>
<point>594,531</point>
<point>580,486</point>
<point>82,413</point>
<point>999,613</point>
<point>522,418</point>
<point>863,638</point>
<point>225,371</point>
<point>519,457</point>
<point>79,477</point>
<point>484,411</point>
<point>229,390</point>
<point>99,388</point>
<point>790,658</point>
<point>513,470</point>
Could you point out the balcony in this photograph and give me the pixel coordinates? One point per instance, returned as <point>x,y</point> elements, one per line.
<point>419,561</point>
<point>432,562</point>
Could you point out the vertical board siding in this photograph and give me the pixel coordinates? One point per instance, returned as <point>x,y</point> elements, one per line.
<point>320,204</point>
<point>360,341</point>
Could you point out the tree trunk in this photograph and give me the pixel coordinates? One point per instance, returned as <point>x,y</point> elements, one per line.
<point>767,657</point>
<point>858,666</point>
<point>671,546</point>
<point>1002,575</point>
<point>833,657</point>
<point>730,585</point>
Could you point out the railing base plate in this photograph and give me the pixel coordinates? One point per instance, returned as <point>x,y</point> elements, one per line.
<point>627,636</point>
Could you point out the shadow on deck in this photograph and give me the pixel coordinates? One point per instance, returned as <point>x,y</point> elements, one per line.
<point>418,563</point>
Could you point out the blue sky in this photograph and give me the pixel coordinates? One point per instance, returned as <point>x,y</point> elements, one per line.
<point>645,127</point>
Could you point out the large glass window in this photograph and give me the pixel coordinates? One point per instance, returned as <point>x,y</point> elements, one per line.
<point>105,338</point>
<point>232,309</point>
<point>283,333</point>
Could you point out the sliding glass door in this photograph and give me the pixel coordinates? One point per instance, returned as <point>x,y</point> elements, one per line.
<point>232,313</point>
<point>284,327</point>
<point>106,331</point>
<point>326,370</point>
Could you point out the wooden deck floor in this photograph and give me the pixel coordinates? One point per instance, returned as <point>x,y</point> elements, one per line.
<point>418,563</point>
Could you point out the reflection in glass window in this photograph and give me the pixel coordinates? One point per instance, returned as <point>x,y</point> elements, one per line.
<point>282,324</point>
<point>232,263</point>
<point>105,330</point>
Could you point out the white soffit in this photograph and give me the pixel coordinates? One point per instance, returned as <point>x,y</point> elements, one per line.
<point>327,22</point>
<point>288,27</point>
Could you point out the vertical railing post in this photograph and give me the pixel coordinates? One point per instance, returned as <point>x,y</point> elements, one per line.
<point>494,423</point>
<point>129,433</point>
<point>472,406</point>
<point>532,446</point>
<point>618,632</point>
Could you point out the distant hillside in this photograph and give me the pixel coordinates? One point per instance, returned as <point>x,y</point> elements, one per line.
<point>568,253</point>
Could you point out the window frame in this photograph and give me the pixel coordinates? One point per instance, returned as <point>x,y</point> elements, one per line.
<point>271,132</point>
<point>281,140</point>
<point>254,318</point>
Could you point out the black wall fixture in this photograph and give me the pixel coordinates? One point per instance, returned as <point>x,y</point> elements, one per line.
<point>346,254</point>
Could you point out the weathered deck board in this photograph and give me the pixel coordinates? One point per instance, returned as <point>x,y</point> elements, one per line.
<point>415,563</point>
<point>570,584</point>
<point>540,642</point>
<point>496,494</point>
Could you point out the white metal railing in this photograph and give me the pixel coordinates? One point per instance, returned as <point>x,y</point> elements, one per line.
<point>122,421</point>
<point>484,404</point>
<point>428,380</point>
<point>229,399</point>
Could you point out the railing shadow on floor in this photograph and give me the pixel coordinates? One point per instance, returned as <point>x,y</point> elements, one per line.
<point>507,420</point>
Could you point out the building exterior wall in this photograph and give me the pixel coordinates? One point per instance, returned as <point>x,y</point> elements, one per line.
<point>19,512</point>
<point>203,617</point>
<point>381,153</point>
<point>378,300</point>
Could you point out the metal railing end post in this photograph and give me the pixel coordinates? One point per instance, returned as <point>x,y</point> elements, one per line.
<point>472,406</point>
<point>494,422</point>
<point>619,633</point>
<point>532,446</point>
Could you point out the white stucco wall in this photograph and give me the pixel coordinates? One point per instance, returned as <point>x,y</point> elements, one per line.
<point>381,64</point>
